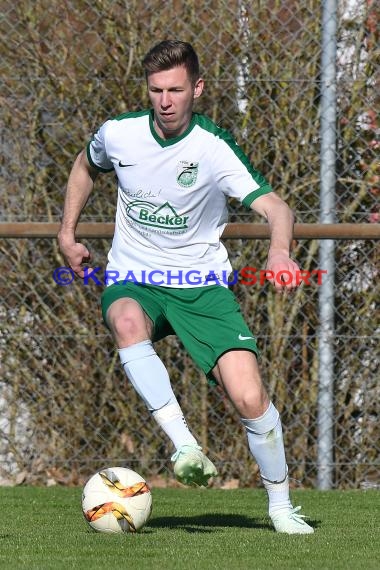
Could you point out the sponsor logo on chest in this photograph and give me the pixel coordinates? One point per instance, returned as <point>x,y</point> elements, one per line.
<point>149,214</point>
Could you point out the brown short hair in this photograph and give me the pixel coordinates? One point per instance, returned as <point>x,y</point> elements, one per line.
<point>172,53</point>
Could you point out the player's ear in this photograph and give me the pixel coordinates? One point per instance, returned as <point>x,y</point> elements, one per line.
<point>198,88</point>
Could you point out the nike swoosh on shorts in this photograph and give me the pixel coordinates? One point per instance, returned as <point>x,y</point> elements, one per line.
<point>241,337</point>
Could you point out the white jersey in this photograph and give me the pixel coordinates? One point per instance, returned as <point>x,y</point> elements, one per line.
<point>172,199</point>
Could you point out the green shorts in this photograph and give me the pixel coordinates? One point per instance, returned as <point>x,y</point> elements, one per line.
<point>207,320</point>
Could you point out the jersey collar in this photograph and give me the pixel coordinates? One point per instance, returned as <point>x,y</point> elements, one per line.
<point>169,142</point>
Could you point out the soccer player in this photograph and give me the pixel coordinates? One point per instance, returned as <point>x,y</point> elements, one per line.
<point>167,268</point>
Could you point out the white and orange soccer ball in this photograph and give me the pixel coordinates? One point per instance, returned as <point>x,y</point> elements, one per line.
<point>116,500</point>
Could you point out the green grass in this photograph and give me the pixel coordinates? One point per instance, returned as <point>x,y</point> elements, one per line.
<point>206,529</point>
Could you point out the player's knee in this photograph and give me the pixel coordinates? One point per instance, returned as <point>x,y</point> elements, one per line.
<point>252,402</point>
<point>127,323</point>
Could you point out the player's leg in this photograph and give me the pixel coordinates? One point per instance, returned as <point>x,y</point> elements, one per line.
<point>210,324</point>
<point>132,330</point>
<point>238,373</point>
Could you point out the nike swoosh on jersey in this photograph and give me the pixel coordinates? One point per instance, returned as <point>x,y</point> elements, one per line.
<point>241,337</point>
<point>125,165</point>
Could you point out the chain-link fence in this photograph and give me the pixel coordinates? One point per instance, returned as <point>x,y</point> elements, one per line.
<point>65,405</point>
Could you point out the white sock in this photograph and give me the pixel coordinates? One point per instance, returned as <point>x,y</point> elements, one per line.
<point>150,379</point>
<point>147,374</point>
<point>278,496</point>
<point>171,419</point>
<point>266,444</point>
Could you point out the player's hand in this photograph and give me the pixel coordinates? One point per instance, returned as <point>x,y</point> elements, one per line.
<point>76,254</point>
<point>284,270</point>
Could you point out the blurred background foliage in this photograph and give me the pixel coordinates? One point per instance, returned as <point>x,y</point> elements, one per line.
<point>66,67</point>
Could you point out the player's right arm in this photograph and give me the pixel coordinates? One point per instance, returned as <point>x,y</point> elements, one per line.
<point>79,186</point>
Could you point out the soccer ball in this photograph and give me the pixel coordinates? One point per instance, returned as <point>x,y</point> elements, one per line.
<point>116,500</point>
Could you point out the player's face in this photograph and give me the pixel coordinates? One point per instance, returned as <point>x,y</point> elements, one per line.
<point>172,96</point>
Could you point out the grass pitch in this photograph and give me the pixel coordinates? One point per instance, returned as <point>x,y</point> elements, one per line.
<point>205,529</point>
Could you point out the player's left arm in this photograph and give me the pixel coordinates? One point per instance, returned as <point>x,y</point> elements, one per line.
<point>281,221</point>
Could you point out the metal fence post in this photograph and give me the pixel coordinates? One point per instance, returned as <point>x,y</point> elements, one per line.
<point>326,250</point>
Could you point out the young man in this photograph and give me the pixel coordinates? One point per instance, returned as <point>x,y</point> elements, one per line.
<point>176,170</point>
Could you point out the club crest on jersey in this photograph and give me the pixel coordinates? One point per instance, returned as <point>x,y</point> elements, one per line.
<point>187,173</point>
